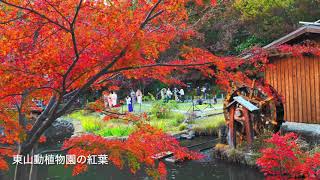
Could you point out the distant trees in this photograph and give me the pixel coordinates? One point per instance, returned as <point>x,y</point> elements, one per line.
<point>237,25</point>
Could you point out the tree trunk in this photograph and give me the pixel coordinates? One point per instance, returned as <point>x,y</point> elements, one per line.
<point>26,171</point>
<point>22,172</point>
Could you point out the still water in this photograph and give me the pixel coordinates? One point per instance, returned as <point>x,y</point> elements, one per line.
<point>205,169</point>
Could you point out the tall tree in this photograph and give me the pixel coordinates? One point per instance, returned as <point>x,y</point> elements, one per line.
<point>55,50</point>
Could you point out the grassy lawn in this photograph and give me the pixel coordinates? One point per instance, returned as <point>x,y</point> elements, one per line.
<point>93,123</point>
<point>186,106</point>
<point>145,107</point>
<point>209,125</point>
<point>165,116</point>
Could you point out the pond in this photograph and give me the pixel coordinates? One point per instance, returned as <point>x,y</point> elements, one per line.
<point>205,169</point>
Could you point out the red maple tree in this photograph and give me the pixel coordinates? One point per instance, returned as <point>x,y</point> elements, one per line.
<point>55,50</point>
<point>284,159</point>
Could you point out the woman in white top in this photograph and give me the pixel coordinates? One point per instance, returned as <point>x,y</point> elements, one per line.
<point>139,96</point>
<point>114,98</point>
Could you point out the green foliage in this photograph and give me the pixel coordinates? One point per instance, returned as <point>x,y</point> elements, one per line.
<point>149,97</point>
<point>171,123</point>
<point>253,8</point>
<point>315,150</point>
<point>162,109</point>
<point>118,131</point>
<point>90,123</point>
<point>209,125</point>
<point>183,126</point>
<point>93,123</point>
<point>249,43</point>
<point>237,25</point>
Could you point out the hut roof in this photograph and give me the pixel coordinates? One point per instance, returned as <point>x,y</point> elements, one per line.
<point>313,28</point>
<point>310,30</point>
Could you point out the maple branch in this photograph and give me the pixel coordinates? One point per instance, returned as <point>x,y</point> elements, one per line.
<point>75,47</point>
<point>109,78</point>
<point>147,19</point>
<point>76,14</point>
<point>35,12</point>
<point>8,148</point>
<point>70,94</point>
<point>159,65</point>
<point>47,121</point>
<point>60,13</point>
<point>55,111</point>
<point>55,151</point>
<point>43,115</point>
<point>9,95</point>
<point>155,15</point>
<point>76,52</point>
<point>14,19</point>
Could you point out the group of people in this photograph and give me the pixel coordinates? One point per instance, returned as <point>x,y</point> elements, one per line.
<point>134,97</point>
<point>167,94</point>
<point>110,99</point>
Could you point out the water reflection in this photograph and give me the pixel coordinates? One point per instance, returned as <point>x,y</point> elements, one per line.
<point>206,169</point>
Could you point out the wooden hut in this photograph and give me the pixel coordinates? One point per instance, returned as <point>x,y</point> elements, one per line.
<point>297,79</point>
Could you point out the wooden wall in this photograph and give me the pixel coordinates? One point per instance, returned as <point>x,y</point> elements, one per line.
<point>298,80</point>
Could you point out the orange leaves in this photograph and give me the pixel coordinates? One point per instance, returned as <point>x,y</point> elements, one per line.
<point>3,165</point>
<point>201,2</point>
<point>140,147</point>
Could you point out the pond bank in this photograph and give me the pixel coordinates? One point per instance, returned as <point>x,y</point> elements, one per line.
<point>308,132</point>
<point>236,156</point>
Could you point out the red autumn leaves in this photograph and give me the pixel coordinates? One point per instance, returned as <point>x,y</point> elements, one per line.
<point>139,148</point>
<point>284,159</point>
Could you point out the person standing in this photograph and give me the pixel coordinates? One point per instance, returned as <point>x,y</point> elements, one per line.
<point>163,93</point>
<point>175,93</point>
<point>105,99</point>
<point>129,104</point>
<point>204,91</point>
<point>139,96</point>
<point>114,98</point>
<point>110,99</point>
<point>181,92</point>
<point>133,96</point>
<point>169,93</point>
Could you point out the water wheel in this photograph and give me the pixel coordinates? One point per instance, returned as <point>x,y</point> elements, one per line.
<point>269,115</point>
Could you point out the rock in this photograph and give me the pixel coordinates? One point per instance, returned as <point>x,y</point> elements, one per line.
<point>186,136</point>
<point>60,130</point>
<point>191,133</point>
<point>223,134</point>
<point>308,132</point>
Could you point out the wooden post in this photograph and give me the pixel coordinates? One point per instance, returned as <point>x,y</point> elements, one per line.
<point>248,126</point>
<point>232,130</point>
